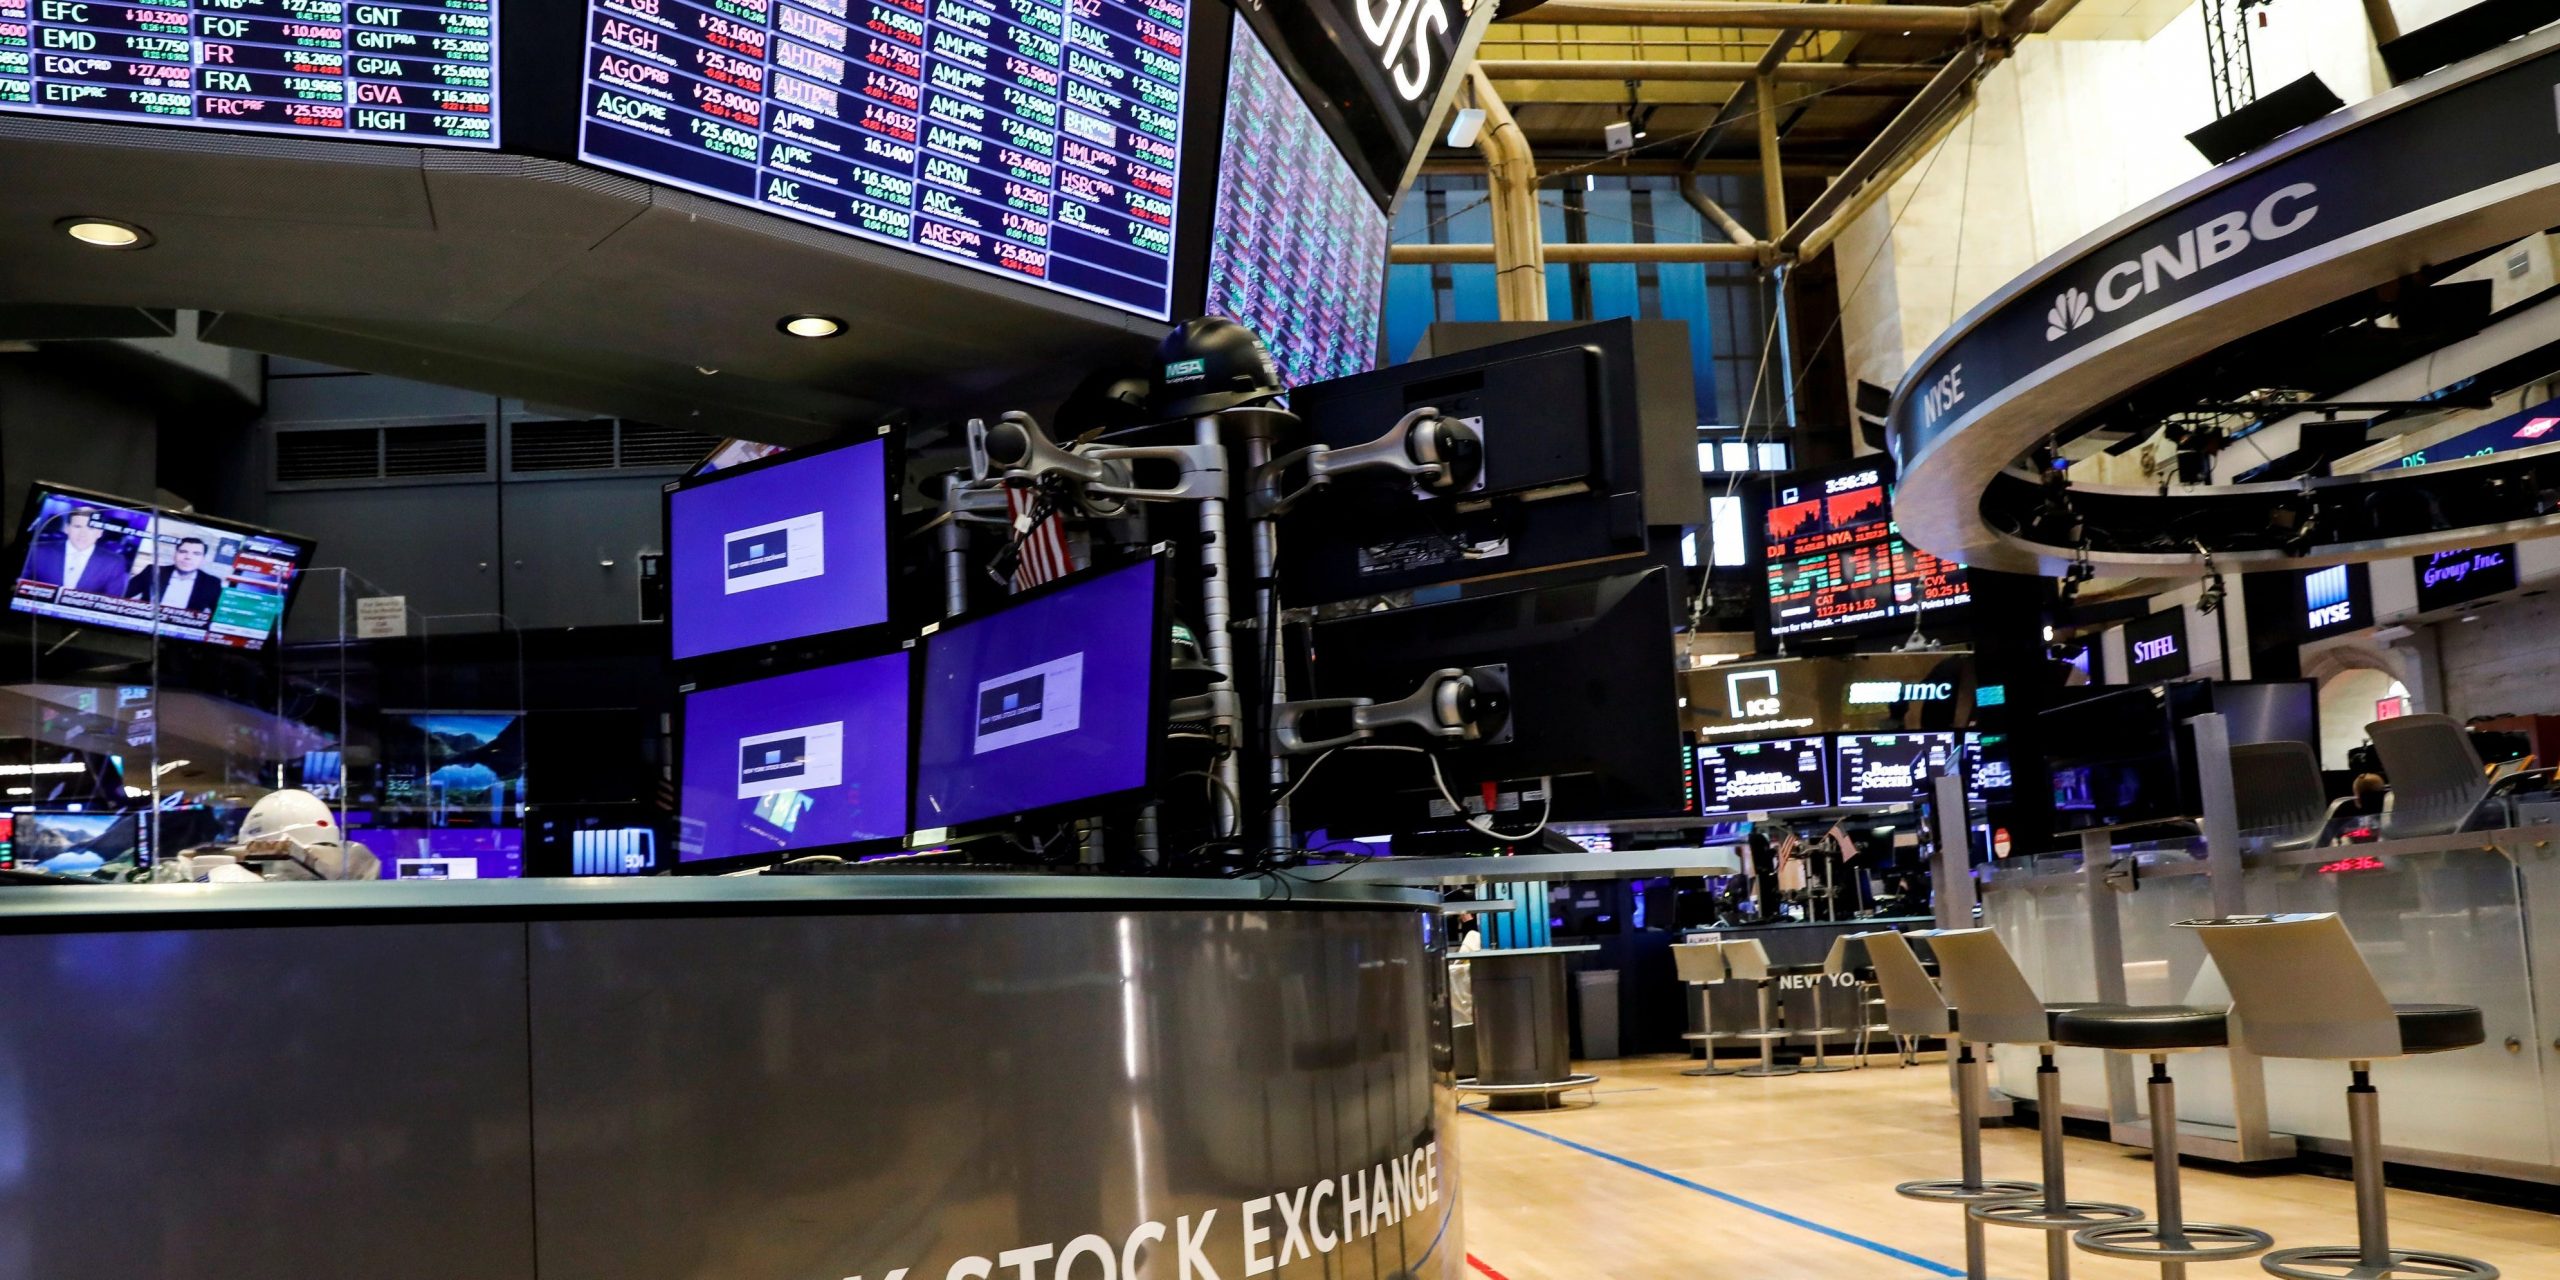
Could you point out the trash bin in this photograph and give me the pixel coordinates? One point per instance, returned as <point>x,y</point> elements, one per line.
<point>1596,992</point>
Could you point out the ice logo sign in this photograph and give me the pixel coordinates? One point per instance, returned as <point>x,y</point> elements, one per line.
<point>1030,704</point>
<point>772,554</point>
<point>809,758</point>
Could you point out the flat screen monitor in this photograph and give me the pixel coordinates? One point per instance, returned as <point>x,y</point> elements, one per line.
<point>794,763</point>
<point>74,844</point>
<point>109,562</point>
<point>2125,758</point>
<point>2449,578</point>
<point>445,853</point>
<point>451,768</point>
<point>419,71</point>
<point>1890,768</point>
<point>1033,141</point>
<point>780,549</point>
<point>1988,773</point>
<point>1057,698</point>
<point>612,851</point>
<point>1303,262</point>
<point>1837,562</point>
<point>1753,777</point>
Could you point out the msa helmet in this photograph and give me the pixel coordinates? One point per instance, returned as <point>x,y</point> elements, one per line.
<point>1210,364</point>
<point>295,828</point>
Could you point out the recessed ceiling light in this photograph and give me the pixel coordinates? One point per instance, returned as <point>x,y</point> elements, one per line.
<point>812,326</point>
<point>105,233</point>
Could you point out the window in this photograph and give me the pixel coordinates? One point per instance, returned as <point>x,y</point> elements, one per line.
<point>1725,541</point>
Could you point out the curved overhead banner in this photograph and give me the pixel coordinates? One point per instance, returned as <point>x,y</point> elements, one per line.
<point>1378,72</point>
<point>2459,161</point>
<point>418,71</point>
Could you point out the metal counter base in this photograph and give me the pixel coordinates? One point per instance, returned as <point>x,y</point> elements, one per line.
<point>1544,1095</point>
<point>1524,1045</point>
<point>755,1079</point>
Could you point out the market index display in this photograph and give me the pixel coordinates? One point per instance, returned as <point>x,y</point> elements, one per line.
<point>1036,139</point>
<point>1837,561</point>
<point>421,71</point>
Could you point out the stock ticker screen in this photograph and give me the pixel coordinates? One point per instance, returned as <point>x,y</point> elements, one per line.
<point>418,71</point>
<point>1836,560</point>
<point>1035,139</point>
<point>1301,262</point>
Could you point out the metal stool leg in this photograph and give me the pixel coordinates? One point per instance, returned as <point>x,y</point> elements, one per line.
<point>2056,1214</point>
<point>1821,1034</point>
<point>1708,1037</point>
<point>2372,1258</point>
<point>1767,1036</point>
<point>2171,1240</point>
<point>1971,1189</point>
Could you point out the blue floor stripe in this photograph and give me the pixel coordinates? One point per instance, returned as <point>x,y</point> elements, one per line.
<point>1925,1264</point>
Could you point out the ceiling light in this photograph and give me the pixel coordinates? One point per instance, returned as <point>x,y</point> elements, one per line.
<point>811,326</point>
<point>105,233</point>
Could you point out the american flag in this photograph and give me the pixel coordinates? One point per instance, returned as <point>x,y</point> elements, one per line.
<point>1040,539</point>
<point>1840,840</point>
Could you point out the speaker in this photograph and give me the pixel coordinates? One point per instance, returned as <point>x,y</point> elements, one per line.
<point>2272,116</point>
<point>2478,29</point>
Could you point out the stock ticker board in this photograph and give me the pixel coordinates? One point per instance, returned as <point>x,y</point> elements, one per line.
<point>1036,139</point>
<point>417,71</point>
<point>1836,560</point>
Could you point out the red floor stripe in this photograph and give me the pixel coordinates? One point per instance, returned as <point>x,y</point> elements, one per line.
<point>1478,1264</point>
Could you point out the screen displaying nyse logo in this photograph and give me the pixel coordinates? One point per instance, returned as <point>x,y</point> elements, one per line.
<point>1030,704</point>
<point>769,555</point>
<point>809,758</point>
<point>2198,249</point>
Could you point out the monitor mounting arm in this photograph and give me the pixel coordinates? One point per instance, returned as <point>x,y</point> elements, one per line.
<point>1452,705</point>
<point>1437,453</point>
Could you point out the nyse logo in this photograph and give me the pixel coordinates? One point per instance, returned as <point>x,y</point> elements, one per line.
<point>2325,594</point>
<point>1400,33</point>
<point>1944,394</point>
<point>2199,248</point>
<point>2155,650</point>
<point>768,555</point>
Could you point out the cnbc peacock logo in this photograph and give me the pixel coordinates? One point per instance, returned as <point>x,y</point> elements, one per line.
<point>2195,252</point>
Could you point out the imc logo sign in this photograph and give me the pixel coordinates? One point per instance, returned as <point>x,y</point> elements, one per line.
<point>769,555</point>
<point>2199,249</point>
<point>1030,704</point>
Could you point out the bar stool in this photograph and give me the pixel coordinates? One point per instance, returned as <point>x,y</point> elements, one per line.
<point>1701,965</point>
<point>1995,1005</point>
<point>1914,1007</point>
<point>2156,1031</point>
<point>1748,961</point>
<point>1834,964</point>
<point>2300,989</point>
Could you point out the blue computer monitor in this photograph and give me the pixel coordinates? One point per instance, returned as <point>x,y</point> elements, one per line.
<point>796,763</point>
<point>778,550</point>
<point>1055,699</point>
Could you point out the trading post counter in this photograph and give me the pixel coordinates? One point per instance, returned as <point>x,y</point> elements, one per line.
<point>767,1078</point>
<point>2461,919</point>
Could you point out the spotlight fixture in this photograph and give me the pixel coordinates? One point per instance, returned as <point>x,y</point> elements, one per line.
<point>811,326</point>
<point>1466,126</point>
<point>104,233</point>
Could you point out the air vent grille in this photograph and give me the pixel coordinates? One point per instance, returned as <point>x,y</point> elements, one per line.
<point>456,449</point>
<point>646,444</point>
<point>561,446</point>
<point>304,457</point>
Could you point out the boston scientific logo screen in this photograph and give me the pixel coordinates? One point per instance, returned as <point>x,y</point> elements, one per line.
<point>781,553</point>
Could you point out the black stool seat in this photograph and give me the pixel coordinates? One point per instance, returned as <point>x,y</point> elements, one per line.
<point>2137,1028</point>
<point>2435,1028</point>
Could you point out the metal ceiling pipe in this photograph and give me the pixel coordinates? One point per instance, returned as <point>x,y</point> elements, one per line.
<point>1580,253</point>
<point>1915,117</point>
<point>1517,251</point>
<point>1878,186</point>
<point>1711,211</point>
<point>1672,70</point>
<point>1947,20</point>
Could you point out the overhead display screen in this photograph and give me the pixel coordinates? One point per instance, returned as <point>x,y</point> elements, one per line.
<point>1302,263</point>
<point>105,562</point>
<point>1033,139</point>
<point>421,71</point>
<point>2448,578</point>
<point>1891,768</point>
<point>1837,561</point>
<point>1746,777</point>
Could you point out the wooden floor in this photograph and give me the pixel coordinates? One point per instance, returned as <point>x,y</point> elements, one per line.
<point>1669,1177</point>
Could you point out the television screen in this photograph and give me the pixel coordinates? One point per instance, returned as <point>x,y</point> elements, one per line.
<point>421,71</point>
<point>445,853</point>
<point>1890,768</point>
<point>452,768</point>
<point>1303,263</point>
<point>1781,773</point>
<point>780,550</point>
<point>2448,578</point>
<point>106,562</point>
<point>797,762</point>
<point>1837,561</point>
<point>2124,758</point>
<point>1034,142</point>
<point>1988,776</point>
<point>1051,700</point>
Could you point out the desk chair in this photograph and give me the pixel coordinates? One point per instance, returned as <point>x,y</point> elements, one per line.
<point>1994,1004</point>
<point>2156,1031</point>
<point>2436,777</point>
<point>1914,1007</point>
<point>1701,965</point>
<point>1748,961</point>
<point>2301,989</point>
<point>2281,800</point>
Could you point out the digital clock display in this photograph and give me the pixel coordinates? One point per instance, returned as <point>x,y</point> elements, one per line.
<point>421,71</point>
<point>1035,139</point>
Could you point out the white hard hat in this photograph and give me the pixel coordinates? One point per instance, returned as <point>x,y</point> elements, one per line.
<point>299,826</point>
